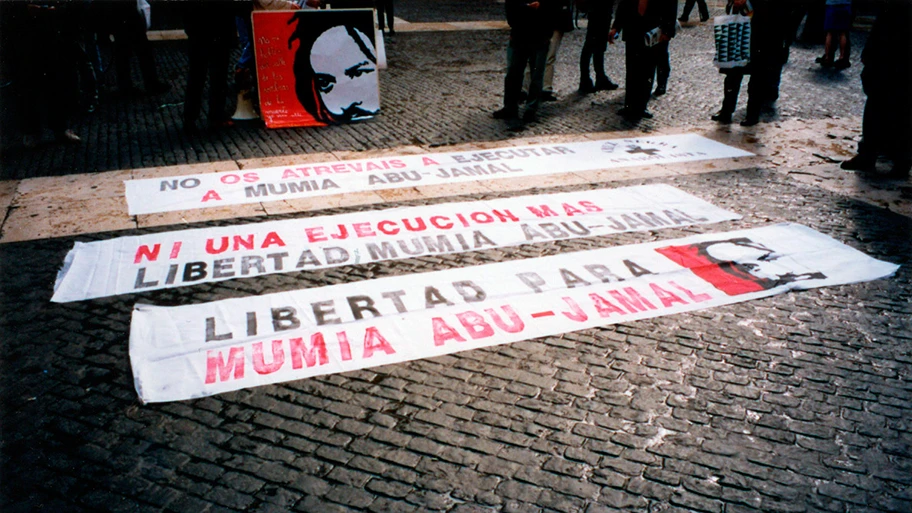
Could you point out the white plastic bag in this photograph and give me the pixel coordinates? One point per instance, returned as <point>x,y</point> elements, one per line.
<point>732,34</point>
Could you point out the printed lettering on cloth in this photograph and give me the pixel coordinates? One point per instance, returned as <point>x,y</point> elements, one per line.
<point>316,67</point>
<point>152,195</point>
<point>188,257</point>
<point>198,350</point>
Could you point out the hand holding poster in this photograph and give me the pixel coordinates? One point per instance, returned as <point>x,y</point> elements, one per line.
<point>198,350</point>
<point>316,67</point>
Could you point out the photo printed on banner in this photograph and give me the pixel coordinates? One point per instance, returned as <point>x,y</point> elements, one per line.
<point>190,257</point>
<point>198,350</point>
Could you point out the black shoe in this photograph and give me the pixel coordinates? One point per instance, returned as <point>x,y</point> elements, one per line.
<point>605,85</point>
<point>841,64</point>
<point>682,19</point>
<point>704,19</point>
<point>505,113</point>
<point>750,121</point>
<point>660,91</point>
<point>633,115</point>
<point>529,116</point>
<point>859,163</point>
<point>586,88</point>
<point>823,61</point>
<point>548,96</point>
<point>722,117</point>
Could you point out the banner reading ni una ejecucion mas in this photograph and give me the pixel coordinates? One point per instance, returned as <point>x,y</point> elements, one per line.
<point>189,257</point>
<point>198,350</point>
<point>205,190</point>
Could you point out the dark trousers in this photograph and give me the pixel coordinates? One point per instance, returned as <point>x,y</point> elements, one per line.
<point>886,128</point>
<point>689,5</point>
<point>131,38</point>
<point>641,67</point>
<point>212,59</point>
<point>385,7</point>
<point>663,64</point>
<point>593,50</point>
<point>45,77</point>
<point>518,57</point>
<point>755,92</point>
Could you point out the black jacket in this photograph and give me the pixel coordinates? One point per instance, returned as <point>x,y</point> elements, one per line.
<point>659,13</point>
<point>528,26</point>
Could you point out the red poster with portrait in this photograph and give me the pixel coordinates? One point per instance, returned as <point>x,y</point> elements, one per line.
<point>316,67</point>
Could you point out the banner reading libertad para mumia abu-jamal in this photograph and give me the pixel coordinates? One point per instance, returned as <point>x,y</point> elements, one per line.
<point>198,350</point>
<point>191,257</point>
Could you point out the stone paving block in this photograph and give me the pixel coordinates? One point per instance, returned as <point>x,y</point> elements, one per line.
<point>41,220</point>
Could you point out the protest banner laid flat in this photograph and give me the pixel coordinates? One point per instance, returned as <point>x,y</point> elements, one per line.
<point>153,195</point>
<point>189,257</point>
<point>316,67</point>
<point>199,350</point>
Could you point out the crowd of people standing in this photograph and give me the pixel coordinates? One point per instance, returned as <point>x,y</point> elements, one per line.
<point>56,62</point>
<point>648,26</point>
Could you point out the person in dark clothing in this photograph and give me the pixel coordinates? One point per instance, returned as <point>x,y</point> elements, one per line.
<point>44,66</point>
<point>212,33</point>
<point>644,24</point>
<point>887,122</point>
<point>688,7</point>
<point>767,56</point>
<point>531,28</point>
<point>122,20</point>
<point>599,13</point>
<point>385,8</point>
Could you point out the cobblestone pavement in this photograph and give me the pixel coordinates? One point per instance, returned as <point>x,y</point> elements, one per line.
<point>795,403</point>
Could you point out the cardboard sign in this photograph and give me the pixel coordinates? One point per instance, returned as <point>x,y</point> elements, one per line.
<point>198,350</point>
<point>189,257</point>
<point>154,195</point>
<point>316,67</point>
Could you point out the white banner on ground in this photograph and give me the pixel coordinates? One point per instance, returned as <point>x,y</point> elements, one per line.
<point>205,190</point>
<point>189,257</point>
<point>198,350</point>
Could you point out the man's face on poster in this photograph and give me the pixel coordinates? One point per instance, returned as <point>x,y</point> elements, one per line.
<point>344,76</point>
<point>758,261</point>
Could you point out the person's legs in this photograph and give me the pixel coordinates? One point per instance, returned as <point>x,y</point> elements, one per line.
<point>585,56</point>
<point>704,10</point>
<point>663,68</point>
<point>550,59</point>
<point>732,88</point>
<point>196,79</point>
<point>517,58</point>
<point>640,62</point>
<point>757,93</point>
<point>537,60</point>
<point>218,85</point>
<point>602,81</point>
<point>688,7</point>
